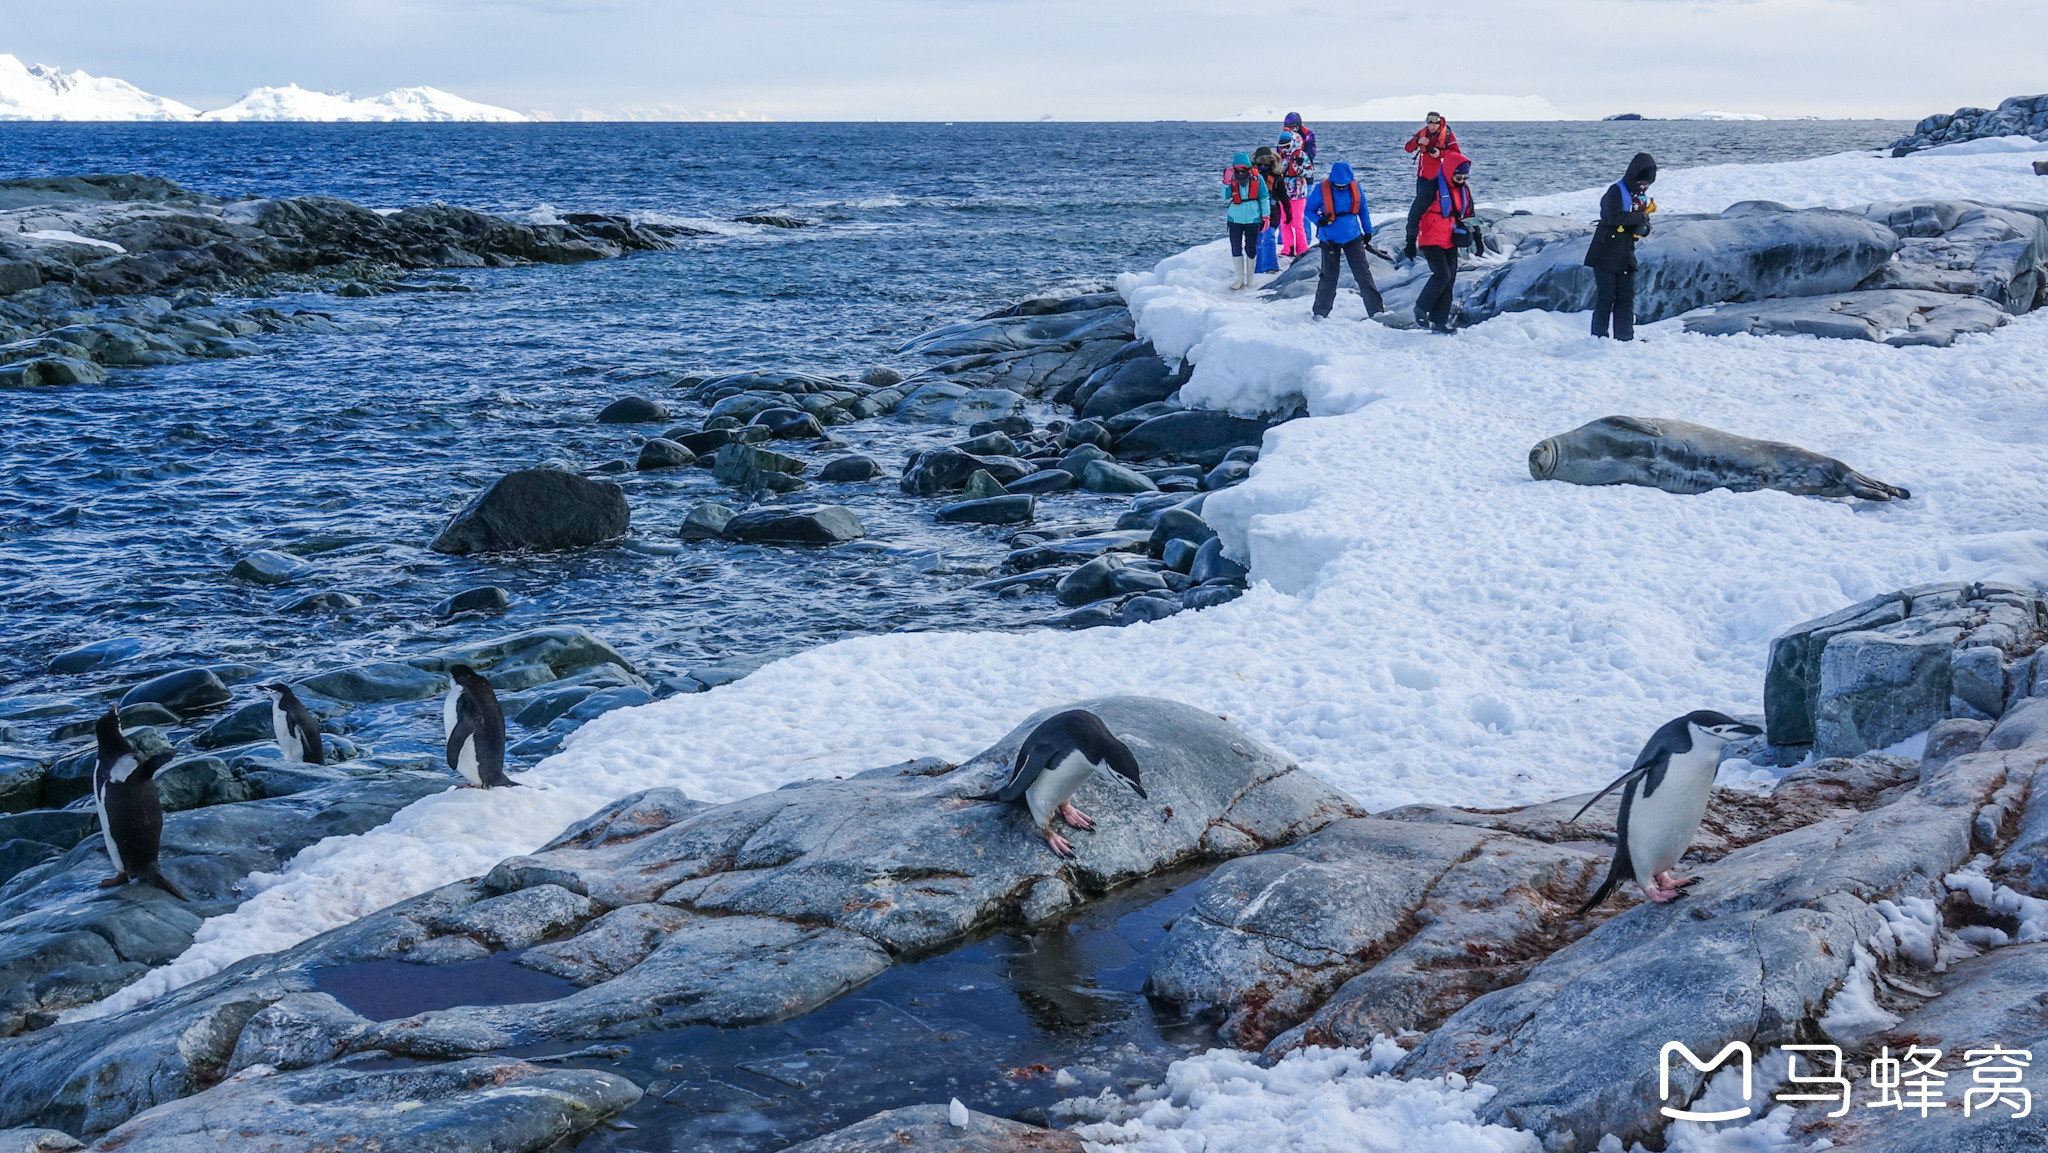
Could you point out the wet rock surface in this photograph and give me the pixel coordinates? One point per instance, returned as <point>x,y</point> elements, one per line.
<point>743,913</point>
<point>931,1128</point>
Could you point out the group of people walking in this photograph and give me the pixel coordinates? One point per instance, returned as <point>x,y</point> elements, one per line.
<point>1276,207</point>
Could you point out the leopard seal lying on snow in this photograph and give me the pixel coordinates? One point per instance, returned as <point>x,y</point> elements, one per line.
<point>1692,458</point>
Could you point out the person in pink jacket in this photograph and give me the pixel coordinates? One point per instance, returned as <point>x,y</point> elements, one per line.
<point>1299,169</point>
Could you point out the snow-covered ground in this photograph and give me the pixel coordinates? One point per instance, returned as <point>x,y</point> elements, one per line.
<point>1453,106</point>
<point>41,92</point>
<point>1427,623</point>
<point>1997,170</point>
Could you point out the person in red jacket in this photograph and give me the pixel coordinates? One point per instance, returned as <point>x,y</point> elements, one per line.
<point>1445,227</point>
<point>1429,144</point>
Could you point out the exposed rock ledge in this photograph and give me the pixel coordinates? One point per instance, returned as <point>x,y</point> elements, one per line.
<point>673,913</point>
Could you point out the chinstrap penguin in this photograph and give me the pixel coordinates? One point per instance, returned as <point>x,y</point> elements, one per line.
<point>1662,800</point>
<point>131,817</point>
<point>298,734</point>
<point>476,729</point>
<point>1054,762</point>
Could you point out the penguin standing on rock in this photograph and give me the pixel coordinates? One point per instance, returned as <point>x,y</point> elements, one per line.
<point>131,817</point>
<point>298,734</point>
<point>1662,800</point>
<point>476,729</point>
<point>1056,759</point>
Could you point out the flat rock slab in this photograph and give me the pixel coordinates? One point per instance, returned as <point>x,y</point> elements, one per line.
<point>929,1129</point>
<point>1899,317</point>
<point>479,1106</point>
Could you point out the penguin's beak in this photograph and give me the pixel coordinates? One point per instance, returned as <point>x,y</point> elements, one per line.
<point>1136,787</point>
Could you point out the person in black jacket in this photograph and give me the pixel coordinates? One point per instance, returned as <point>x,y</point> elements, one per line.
<point>1624,219</point>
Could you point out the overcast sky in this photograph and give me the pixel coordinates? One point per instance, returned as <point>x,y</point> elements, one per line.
<point>1070,59</point>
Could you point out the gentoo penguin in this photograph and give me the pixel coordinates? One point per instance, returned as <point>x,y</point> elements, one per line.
<point>1662,800</point>
<point>1055,760</point>
<point>131,817</point>
<point>298,734</point>
<point>476,729</point>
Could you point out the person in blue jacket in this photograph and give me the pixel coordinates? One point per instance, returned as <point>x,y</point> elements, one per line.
<point>1343,225</point>
<point>1246,205</point>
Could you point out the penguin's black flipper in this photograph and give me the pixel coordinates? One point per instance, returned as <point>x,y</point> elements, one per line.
<point>1032,759</point>
<point>1625,778</point>
<point>155,876</point>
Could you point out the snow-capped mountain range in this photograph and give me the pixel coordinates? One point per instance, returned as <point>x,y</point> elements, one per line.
<point>41,92</point>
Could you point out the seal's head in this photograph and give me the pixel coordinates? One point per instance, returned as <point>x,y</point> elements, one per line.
<point>1543,459</point>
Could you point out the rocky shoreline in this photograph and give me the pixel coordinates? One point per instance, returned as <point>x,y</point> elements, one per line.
<point>1870,894</point>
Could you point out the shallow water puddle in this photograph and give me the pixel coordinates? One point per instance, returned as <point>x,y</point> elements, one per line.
<point>388,990</point>
<point>990,1023</point>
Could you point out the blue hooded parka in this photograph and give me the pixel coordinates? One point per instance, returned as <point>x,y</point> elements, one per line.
<point>1351,221</point>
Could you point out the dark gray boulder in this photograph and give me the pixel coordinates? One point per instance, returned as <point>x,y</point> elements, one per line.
<point>1126,385</point>
<point>706,521</point>
<point>808,524</point>
<point>1044,481</point>
<point>847,469</point>
<point>1210,564</point>
<point>539,509</point>
<point>632,410</point>
<point>750,469</point>
<point>1196,436</point>
<point>1981,250</point>
<point>1012,509</point>
<point>484,599</point>
<point>948,469</point>
<point>1091,582</point>
<point>660,453</point>
<point>184,691</point>
<point>97,655</point>
<point>383,681</point>
<point>1105,476</point>
<point>268,567</point>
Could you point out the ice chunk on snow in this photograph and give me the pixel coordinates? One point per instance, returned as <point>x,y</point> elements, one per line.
<point>957,1114</point>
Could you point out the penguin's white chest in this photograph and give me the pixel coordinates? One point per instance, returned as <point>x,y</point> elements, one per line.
<point>288,742</point>
<point>465,762</point>
<point>1661,826</point>
<point>448,707</point>
<point>1056,786</point>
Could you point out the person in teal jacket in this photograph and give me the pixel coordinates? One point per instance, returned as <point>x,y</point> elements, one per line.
<point>1246,206</point>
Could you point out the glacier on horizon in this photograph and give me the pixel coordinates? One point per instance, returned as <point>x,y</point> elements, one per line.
<point>1453,105</point>
<point>43,92</point>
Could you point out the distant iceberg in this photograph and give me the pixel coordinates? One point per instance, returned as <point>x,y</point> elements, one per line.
<point>40,92</point>
<point>1454,106</point>
<point>292,102</point>
<point>1717,114</point>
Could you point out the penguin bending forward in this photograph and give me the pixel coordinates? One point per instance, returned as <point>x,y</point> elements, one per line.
<point>131,817</point>
<point>298,734</point>
<point>1056,759</point>
<point>476,729</point>
<point>1662,800</point>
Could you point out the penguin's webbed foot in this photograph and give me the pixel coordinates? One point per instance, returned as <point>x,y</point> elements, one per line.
<point>115,881</point>
<point>1061,847</point>
<point>1075,817</point>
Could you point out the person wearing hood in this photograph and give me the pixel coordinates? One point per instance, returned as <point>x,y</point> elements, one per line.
<point>1246,204</point>
<point>1298,176</point>
<point>1343,225</point>
<point>1308,135</point>
<point>1445,227</point>
<point>1624,219</point>
<point>1429,144</point>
